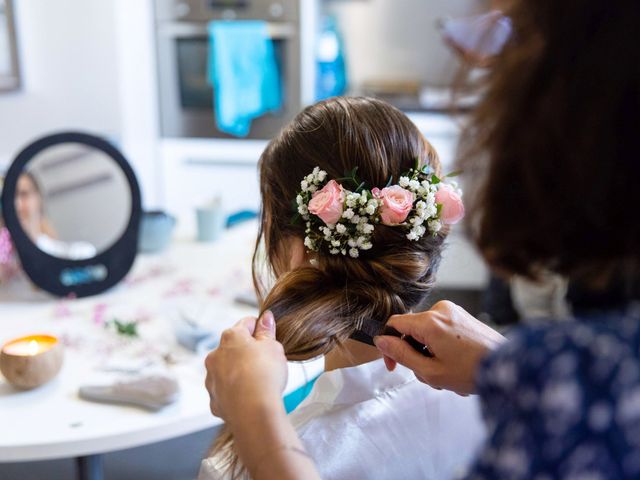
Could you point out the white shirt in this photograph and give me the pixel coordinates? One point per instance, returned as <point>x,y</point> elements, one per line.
<point>61,249</point>
<point>366,423</point>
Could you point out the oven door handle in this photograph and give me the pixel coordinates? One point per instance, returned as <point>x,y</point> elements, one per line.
<point>275,30</point>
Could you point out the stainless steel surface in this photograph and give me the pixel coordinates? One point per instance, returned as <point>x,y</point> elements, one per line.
<point>9,65</point>
<point>185,30</point>
<point>186,99</point>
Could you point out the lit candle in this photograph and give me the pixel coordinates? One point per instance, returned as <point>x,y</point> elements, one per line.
<point>28,362</point>
<point>32,345</point>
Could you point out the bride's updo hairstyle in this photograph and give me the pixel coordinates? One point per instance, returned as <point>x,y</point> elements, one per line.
<point>321,303</point>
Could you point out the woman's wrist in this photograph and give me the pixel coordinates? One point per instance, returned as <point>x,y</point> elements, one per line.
<point>267,443</point>
<point>253,409</point>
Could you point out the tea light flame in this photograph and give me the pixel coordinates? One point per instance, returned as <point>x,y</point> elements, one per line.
<point>29,346</point>
<point>33,348</point>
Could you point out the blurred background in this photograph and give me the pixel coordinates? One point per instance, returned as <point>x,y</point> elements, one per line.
<point>162,81</point>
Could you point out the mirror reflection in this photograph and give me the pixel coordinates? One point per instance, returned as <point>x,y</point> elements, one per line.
<point>73,201</point>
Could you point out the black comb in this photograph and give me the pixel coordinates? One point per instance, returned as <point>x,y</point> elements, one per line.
<point>364,337</point>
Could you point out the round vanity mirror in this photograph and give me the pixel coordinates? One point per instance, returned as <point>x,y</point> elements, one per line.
<point>71,203</point>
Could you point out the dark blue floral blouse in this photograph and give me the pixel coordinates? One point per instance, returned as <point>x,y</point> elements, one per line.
<point>563,402</point>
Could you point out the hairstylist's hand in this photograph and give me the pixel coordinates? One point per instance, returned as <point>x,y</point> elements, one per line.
<point>458,341</point>
<point>248,371</point>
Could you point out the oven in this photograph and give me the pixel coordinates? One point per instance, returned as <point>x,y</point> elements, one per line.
<point>186,98</point>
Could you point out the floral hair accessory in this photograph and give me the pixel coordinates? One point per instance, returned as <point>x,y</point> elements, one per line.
<point>343,221</point>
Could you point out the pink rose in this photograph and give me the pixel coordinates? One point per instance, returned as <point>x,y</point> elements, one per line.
<point>396,204</point>
<point>452,206</point>
<point>328,203</point>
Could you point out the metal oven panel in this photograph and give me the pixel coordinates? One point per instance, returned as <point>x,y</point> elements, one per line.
<point>186,99</point>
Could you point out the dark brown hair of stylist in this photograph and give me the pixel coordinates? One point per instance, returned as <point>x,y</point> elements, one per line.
<point>559,132</point>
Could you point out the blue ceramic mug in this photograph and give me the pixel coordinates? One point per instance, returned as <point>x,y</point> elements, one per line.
<point>156,228</point>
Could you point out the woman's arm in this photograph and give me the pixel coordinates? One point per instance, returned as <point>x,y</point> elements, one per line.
<point>457,339</point>
<point>246,376</point>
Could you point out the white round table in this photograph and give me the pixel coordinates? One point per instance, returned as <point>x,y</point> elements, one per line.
<point>54,422</point>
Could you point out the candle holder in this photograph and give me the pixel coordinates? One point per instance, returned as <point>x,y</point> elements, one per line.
<point>31,361</point>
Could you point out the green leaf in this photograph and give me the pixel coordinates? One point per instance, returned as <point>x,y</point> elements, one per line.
<point>434,179</point>
<point>128,329</point>
<point>360,187</point>
<point>453,174</point>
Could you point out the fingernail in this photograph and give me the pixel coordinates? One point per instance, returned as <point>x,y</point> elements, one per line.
<point>267,320</point>
<point>381,343</point>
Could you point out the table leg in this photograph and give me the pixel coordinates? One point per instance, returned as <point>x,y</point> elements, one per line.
<point>90,467</point>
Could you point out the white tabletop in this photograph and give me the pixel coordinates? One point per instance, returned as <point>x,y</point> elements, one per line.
<point>53,422</point>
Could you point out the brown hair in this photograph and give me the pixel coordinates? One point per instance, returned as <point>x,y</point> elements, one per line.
<point>552,151</point>
<point>318,307</point>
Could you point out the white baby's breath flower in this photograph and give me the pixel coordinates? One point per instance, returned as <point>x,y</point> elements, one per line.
<point>303,210</point>
<point>334,251</point>
<point>340,228</point>
<point>309,178</point>
<point>371,209</point>
<point>366,246</point>
<point>414,185</point>
<point>309,243</point>
<point>434,226</point>
<point>352,242</point>
<point>363,200</point>
<point>368,229</point>
<point>355,219</point>
<point>404,182</point>
<point>412,235</point>
<point>312,188</point>
<point>299,200</point>
<point>348,213</point>
<point>354,252</point>
<point>343,251</point>
<point>321,175</point>
<point>335,243</point>
<point>425,184</point>
<point>304,185</point>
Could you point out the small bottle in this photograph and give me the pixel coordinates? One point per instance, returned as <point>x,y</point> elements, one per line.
<point>332,76</point>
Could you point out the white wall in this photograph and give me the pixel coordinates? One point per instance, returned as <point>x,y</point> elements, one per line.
<point>69,73</point>
<point>398,39</point>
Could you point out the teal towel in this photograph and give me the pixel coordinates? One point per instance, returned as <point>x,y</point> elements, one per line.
<point>295,398</point>
<point>243,73</point>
